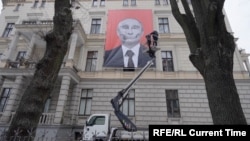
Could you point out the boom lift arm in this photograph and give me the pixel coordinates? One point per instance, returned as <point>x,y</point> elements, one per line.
<point>123,94</point>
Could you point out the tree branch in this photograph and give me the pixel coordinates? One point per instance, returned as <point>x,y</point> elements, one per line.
<point>191,31</point>
<point>187,9</point>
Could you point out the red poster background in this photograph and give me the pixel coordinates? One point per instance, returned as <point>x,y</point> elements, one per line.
<point>115,16</point>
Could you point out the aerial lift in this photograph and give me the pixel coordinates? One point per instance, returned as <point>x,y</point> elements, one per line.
<point>127,124</point>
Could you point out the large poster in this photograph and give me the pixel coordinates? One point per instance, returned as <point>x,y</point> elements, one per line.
<point>125,38</point>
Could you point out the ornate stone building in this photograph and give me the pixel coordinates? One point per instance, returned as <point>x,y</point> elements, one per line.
<point>172,92</point>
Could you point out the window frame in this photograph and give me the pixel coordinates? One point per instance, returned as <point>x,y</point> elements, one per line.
<point>172,111</point>
<point>17,7</point>
<point>1,55</point>
<point>47,105</point>
<point>91,60</point>
<point>133,2</point>
<point>20,55</point>
<point>163,27</point>
<point>35,4</point>
<point>94,3</point>
<point>43,4</point>
<point>165,2</point>
<point>167,59</point>
<point>5,97</point>
<point>85,99</point>
<point>157,2</point>
<point>102,3</point>
<point>125,2</point>
<point>9,27</point>
<point>128,100</point>
<point>95,26</point>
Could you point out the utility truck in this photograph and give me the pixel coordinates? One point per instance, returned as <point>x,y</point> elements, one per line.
<point>98,128</point>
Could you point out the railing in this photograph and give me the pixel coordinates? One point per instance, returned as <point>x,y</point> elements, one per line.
<point>45,22</point>
<point>29,138</point>
<point>19,64</point>
<point>46,119</point>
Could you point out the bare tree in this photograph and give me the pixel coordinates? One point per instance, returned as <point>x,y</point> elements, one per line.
<point>34,97</point>
<point>212,49</point>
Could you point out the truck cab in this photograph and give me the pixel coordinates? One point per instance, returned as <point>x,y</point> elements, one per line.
<point>97,127</point>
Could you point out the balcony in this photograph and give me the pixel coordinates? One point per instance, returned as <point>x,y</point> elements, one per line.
<point>21,64</point>
<point>45,118</point>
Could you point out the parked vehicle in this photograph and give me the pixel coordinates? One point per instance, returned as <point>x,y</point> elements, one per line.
<point>98,128</point>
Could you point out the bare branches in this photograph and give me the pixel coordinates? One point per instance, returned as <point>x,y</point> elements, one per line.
<point>191,31</point>
<point>187,9</point>
<point>188,23</point>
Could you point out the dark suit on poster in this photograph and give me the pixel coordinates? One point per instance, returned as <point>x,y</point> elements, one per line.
<point>114,57</point>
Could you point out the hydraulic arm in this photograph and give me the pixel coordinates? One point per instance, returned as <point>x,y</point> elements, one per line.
<point>121,95</point>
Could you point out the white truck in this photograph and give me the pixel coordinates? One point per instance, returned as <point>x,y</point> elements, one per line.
<point>98,128</point>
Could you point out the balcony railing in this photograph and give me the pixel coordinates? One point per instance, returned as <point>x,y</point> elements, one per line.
<point>46,119</point>
<point>19,64</point>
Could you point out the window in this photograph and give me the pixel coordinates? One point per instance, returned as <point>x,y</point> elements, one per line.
<point>1,54</point>
<point>165,2</point>
<point>91,61</point>
<point>8,29</point>
<point>17,7</point>
<point>128,106</point>
<point>20,55</point>
<point>173,107</point>
<point>157,2</point>
<point>125,2</point>
<point>43,3</point>
<point>102,3</point>
<point>167,61</point>
<point>95,26</point>
<point>35,4</point>
<point>85,102</point>
<point>29,22</point>
<point>46,22</point>
<point>133,2</point>
<point>4,98</point>
<point>163,25</point>
<point>97,120</point>
<point>47,104</point>
<point>94,4</point>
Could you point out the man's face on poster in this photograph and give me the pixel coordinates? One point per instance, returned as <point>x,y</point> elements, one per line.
<point>130,32</point>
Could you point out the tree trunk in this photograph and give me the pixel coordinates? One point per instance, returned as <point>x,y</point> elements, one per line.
<point>221,90</point>
<point>223,98</point>
<point>32,103</point>
<point>212,51</point>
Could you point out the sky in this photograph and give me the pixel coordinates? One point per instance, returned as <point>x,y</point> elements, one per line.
<point>239,18</point>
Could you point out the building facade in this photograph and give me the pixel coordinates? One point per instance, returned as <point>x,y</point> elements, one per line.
<point>172,92</point>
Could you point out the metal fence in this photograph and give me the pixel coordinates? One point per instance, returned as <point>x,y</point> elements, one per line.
<point>18,138</point>
<point>118,135</point>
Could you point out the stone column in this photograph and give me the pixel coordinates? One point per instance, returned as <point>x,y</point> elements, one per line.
<point>12,102</point>
<point>70,60</point>
<point>30,47</point>
<point>62,99</point>
<point>8,52</point>
<point>73,109</point>
<point>12,46</point>
<point>81,58</point>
